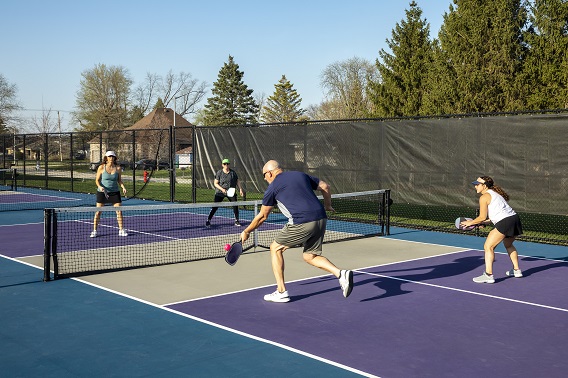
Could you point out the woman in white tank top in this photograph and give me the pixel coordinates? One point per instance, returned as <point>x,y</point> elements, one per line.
<point>493,205</point>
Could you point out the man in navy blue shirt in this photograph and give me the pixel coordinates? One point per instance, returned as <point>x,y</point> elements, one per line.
<point>293,193</point>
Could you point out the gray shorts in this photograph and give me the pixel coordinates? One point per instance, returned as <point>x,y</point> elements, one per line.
<point>309,235</point>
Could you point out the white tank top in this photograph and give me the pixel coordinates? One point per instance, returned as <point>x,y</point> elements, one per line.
<point>498,208</point>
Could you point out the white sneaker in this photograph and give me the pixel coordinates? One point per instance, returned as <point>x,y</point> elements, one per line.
<point>514,272</point>
<point>122,233</point>
<point>94,234</point>
<point>277,297</point>
<point>346,282</point>
<point>484,278</point>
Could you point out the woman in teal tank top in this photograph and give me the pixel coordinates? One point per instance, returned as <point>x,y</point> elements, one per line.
<point>109,182</point>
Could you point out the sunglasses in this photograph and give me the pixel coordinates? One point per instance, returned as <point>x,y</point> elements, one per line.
<point>226,163</point>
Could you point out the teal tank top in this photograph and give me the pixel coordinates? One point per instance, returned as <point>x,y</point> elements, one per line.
<point>110,181</point>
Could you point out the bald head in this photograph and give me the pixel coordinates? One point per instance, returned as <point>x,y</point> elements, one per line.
<point>271,165</point>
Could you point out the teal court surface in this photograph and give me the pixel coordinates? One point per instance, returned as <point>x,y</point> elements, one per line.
<point>414,312</point>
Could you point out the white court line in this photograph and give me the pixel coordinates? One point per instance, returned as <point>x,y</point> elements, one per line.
<point>463,291</point>
<point>19,224</point>
<point>240,333</point>
<point>467,249</point>
<point>232,330</point>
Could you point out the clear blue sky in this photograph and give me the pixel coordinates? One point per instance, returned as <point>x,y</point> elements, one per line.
<point>47,44</point>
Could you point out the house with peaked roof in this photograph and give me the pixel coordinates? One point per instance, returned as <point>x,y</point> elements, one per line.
<point>149,138</point>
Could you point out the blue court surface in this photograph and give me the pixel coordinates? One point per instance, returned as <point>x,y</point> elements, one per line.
<point>418,315</point>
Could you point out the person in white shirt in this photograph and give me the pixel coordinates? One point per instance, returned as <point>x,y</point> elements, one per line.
<point>493,205</point>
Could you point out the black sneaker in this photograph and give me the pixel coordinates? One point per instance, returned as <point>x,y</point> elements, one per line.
<point>237,224</point>
<point>207,224</point>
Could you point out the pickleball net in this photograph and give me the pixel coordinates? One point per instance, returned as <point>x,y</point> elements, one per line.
<point>175,233</point>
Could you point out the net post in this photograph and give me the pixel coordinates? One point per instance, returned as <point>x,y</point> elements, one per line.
<point>54,245</point>
<point>255,235</point>
<point>387,207</point>
<point>381,212</point>
<point>47,213</point>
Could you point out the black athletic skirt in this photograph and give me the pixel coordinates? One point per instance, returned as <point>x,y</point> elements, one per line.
<point>113,197</point>
<point>510,226</point>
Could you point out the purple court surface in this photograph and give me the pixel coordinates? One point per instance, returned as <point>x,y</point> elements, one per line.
<point>423,318</point>
<point>22,197</point>
<point>418,318</point>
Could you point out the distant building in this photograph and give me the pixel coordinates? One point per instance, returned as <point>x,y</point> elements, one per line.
<point>146,139</point>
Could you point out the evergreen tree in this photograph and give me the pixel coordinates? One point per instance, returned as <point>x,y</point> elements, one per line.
<point>135,114</point>
<point>232,102</point>
<point>478,58</point>
<point>284,104</point>
<point>159,104</point>
<point>546,65</point>
<point>403,73</point>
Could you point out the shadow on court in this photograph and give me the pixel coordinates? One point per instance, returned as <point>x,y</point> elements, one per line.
<point>539,269</point>
<point>393,287</point>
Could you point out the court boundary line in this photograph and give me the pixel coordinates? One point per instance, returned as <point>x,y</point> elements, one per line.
<point>464,291</point>
<point>232,330</point>
<point>216,325</point>
<point>19,224</point>
<point>358,270</point>
<point>473,249</point>
<point>305,279</point>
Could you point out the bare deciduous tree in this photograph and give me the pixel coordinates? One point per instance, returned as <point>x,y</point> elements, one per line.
<point>8,104</point>
<point>345,84</point>
<point>47,122</point>
<point>187,92</point>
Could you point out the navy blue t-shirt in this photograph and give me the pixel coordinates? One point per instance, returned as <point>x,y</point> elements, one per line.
<point>293,193</point>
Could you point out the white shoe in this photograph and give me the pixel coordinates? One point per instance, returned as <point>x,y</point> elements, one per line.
<point>484,278</point>
<point>122,233</point>
<point>346,282</point>
<point>514,272</point>
<point>277,297</point>
<point>94,234</point>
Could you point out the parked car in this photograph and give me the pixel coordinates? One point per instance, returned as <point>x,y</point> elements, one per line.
<point>150,164</point>
<point>94,166</point>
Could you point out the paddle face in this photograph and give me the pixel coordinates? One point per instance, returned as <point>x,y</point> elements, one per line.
<point>231,192</point>
<point>460,227</point>
<point>234,253</point>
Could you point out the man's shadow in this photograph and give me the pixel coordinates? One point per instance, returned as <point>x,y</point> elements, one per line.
<point>393,286</point>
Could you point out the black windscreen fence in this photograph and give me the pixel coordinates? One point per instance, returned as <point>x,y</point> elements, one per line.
<point>428,164</point>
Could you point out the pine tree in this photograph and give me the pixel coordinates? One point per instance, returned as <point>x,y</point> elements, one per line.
<point>159,104</point>
<point>403,73</point>
<point>232,102</point>
<point>478,58</point>
<point>546,66</point>
<point>284,104</point>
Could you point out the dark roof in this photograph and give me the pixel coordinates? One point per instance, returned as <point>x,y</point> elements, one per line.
<point>159,119</point>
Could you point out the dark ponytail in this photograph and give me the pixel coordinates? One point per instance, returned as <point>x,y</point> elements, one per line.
<point>490,184</point>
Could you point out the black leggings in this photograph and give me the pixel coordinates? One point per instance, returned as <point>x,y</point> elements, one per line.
<point>219,198</point>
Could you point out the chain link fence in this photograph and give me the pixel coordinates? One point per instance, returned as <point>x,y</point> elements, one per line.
<point>428,163</point>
